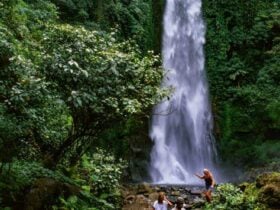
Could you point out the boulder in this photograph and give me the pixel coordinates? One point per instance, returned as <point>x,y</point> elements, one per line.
<point>267,178</point>
<point>140,146</point>
<point>129,199</point>
<point>269,193</point>
<point>153,196</point>
<point>44,191</point>
<point>140,202</point>
<point>270,196</point>
<point>141,199</point>
<point>195,192</point>
<point>176,193</point>
<point>144,188</point>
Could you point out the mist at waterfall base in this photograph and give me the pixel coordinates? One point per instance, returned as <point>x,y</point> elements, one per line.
<point>181,126</point>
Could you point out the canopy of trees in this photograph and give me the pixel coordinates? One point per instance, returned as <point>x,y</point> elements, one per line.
<point>63,85</point>
<point>79,74</point>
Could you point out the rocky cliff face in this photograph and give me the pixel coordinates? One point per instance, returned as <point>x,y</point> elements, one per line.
<point>140,146</point>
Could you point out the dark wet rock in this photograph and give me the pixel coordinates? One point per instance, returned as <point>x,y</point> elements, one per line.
<point>142,196</point>
<point>138,155</point>
<point>195,192</point>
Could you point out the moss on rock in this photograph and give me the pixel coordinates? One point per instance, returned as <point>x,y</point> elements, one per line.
<point>269,189</point>
<point>45,191</point>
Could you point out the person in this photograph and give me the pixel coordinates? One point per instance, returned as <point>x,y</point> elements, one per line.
<point>179,204</point>
<point>209,183</point>
<point>162,203</point>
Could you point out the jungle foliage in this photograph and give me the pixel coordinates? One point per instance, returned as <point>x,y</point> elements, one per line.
<point>242,54</point>
<point>79,74</point>
<point>62,87</point>
<point>229,196</point>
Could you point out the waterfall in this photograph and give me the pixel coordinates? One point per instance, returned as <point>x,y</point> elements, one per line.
<point>181,126</point>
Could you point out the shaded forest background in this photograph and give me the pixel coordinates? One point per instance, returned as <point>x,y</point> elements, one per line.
<point>79,78</point>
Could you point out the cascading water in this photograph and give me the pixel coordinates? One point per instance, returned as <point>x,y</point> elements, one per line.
<point>181,126</point>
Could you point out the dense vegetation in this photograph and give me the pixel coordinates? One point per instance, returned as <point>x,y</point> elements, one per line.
<point>62,87</point>
<point>243,67</point>
<point>77,75</point>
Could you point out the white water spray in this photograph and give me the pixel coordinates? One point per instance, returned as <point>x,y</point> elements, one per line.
<point>181,126</point>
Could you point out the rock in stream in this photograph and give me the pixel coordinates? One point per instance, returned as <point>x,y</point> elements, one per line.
<point>142,196</point>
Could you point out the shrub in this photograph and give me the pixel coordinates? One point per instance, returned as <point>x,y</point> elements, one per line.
<point>230,197</point>
<point>99,177</point>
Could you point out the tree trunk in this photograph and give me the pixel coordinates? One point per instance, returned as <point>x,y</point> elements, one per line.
<point>52,160</point>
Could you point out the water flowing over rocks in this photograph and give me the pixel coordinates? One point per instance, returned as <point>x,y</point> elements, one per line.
<point>142,196</point>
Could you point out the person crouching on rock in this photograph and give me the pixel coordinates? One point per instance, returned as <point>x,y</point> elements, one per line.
<point>162,203</point>
<point>209,183</point>
<point>179,204</point>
